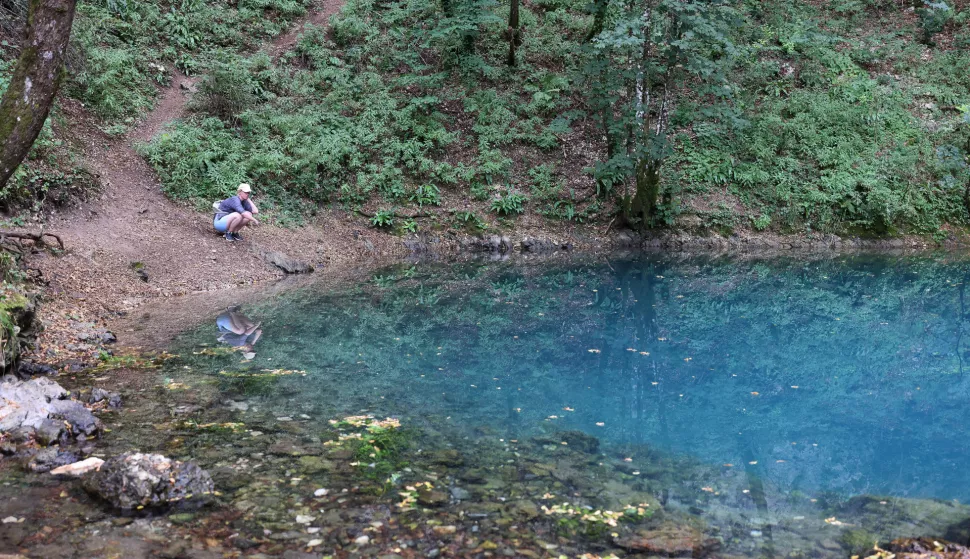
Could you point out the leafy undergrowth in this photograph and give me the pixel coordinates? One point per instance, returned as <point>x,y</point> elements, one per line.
<point>121,52</point>
<point>842,117</point>
<point>846,116</point>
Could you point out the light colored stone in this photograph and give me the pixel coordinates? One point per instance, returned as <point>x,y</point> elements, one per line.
<point>78,469</point>
<point>363,540</point>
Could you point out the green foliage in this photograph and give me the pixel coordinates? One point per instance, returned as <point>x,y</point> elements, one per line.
<point>761,222</point>
<point>112,82</point>
<point>426,195</point>
<point>383,219</point>
<point>469,220</point>
<point>798,112</point>
<point>509,203</point>
<point>933,17</point>
<point>121,49</point>
<point>230,88</point>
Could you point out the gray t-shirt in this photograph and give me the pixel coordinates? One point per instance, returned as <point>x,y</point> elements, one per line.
<point>230,205</point>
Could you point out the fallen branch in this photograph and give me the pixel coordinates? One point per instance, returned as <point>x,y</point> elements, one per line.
<point>36,237</point>
<point>395,214</point>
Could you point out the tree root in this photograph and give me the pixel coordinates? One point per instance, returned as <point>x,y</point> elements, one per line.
<point>37,238</point>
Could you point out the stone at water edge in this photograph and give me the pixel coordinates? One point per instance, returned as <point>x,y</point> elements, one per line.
<point>78,469</point>
<point>287,264</point>
<point>133,480</point>
<point>28,405</point>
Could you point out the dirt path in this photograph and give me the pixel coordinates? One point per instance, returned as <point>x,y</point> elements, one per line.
<point>133,225</point>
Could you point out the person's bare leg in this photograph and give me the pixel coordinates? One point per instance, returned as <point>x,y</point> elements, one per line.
<point>235,222</point>
<point>237,324</point>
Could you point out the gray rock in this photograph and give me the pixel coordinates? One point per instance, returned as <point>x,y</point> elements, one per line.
<point>49,432</point>
<point>108,338</point>
<point>27,403</point>
<point>100,395</point>
<point>26,406</point>
<point>29,369</point>
<point>287,264</point>
<point>459,494</point>
<point>80,418</point>
<point>50,458</point>
<point>134,480</point>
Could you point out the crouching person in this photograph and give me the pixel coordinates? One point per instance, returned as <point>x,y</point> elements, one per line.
<point>232,214</point>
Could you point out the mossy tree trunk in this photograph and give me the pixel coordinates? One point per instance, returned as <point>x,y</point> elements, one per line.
<point>40,69</point>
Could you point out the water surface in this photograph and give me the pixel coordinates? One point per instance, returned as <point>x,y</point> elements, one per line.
<point>795,406</point>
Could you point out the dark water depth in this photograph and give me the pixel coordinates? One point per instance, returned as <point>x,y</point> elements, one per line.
<point>848,375</point>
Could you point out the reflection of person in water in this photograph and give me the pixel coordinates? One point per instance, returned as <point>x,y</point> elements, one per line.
<point>237,330</point>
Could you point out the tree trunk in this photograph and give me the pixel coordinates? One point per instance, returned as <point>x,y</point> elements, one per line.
<point>515,37</point>
<point>643,206</point>
<point>40,68</point>
<point>599,18</point>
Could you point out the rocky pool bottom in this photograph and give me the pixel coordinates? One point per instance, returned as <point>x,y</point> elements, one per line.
<point>370,486</point>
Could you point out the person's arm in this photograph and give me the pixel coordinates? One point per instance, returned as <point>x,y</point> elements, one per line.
<point>252,205</point>
<point>237,205</point>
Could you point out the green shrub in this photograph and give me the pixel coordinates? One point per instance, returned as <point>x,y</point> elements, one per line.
<point>426,195</point>
<point>112,83</point>
<point>468,220</point>
<point>383,219</point>
<point>510,203</point>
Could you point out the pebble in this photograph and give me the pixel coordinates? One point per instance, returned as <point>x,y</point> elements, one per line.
<point>313,530</point>
<point>755,533</point>
<point>314,543</point>
<point>284,419</point>
<point>303,519</point>
<point>363,540</point>
<point>320,492</point>
<point>12,520</point>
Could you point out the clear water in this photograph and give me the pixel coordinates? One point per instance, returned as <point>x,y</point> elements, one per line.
<point>843,375</point>
<point>799,407</point>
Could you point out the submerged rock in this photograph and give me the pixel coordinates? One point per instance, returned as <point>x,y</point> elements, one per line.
<point>578,440</point>
<point>448,457</point>
<point>101,395</point>
<point>922,548</point>
<point>669,540</point>
<point>135,480</point>
<point>432,497</point>
<point>50,458</point>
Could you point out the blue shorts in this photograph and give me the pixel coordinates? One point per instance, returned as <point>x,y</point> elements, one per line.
<point>221,224</point>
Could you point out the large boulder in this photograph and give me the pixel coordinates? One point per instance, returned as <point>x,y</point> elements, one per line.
<point>134,480</point>
<point>36,405</point>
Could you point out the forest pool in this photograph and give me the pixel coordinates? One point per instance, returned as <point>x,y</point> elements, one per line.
<point>754,407</point>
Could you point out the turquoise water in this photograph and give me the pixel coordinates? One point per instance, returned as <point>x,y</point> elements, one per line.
<point>844,375</point>
<point>745,393</point>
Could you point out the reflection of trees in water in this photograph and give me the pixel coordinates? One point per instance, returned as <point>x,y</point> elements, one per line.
<point>857,337</point>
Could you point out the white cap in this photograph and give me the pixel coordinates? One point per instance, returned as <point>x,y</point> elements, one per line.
<point>243,187</point>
